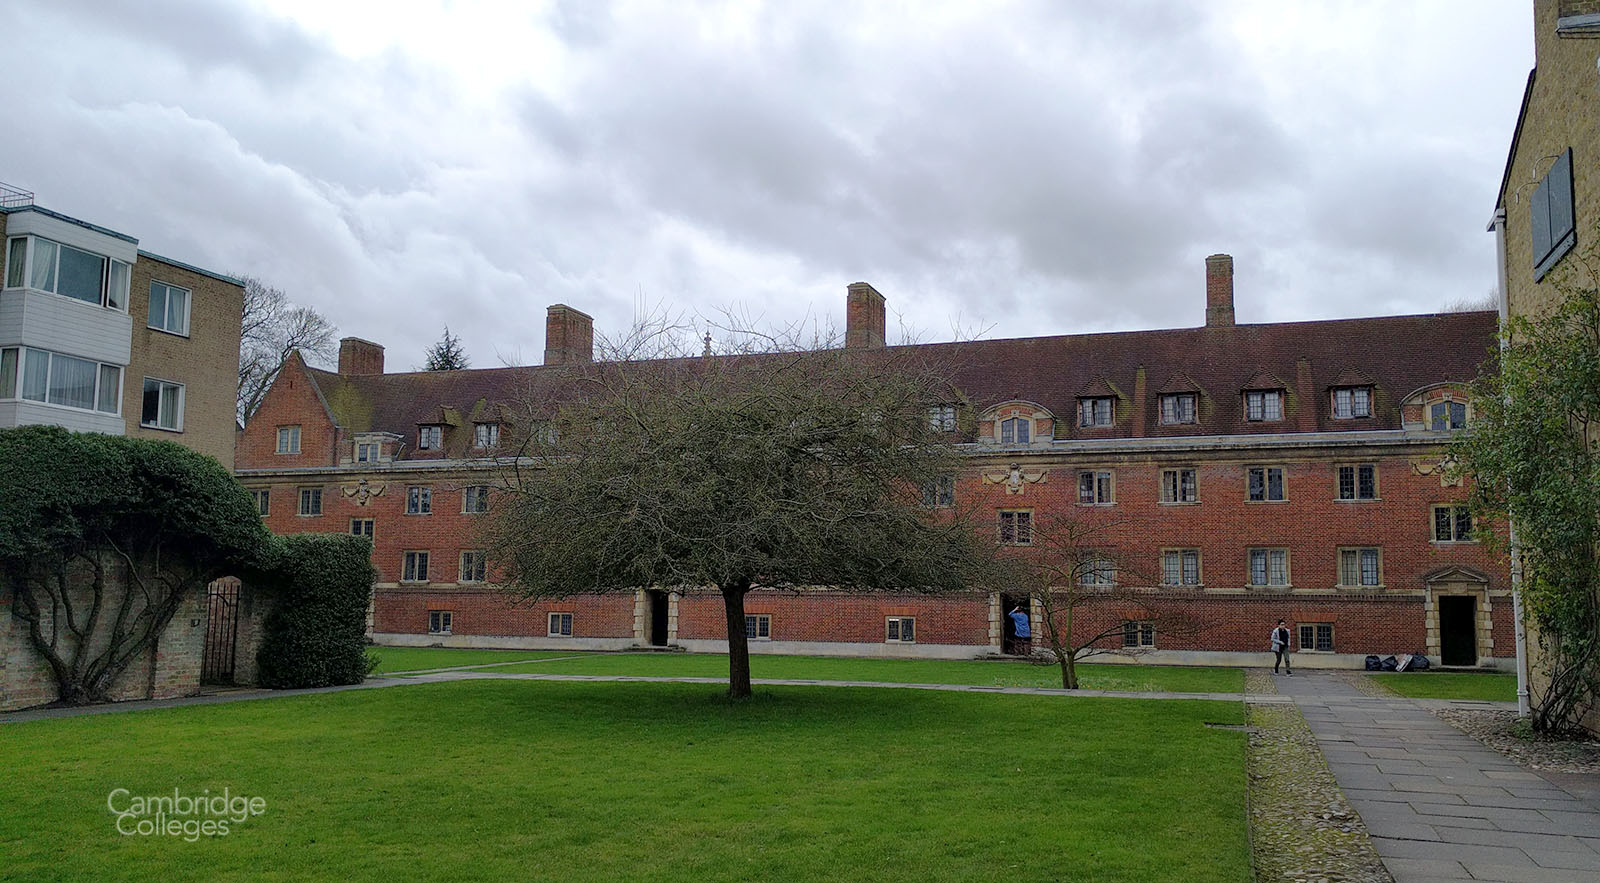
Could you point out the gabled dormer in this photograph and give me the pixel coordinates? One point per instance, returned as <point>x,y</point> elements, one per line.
<point>1100,405</point>
<point>1263,397</point>
<point>1178,401</point>
<point>1352,396</point>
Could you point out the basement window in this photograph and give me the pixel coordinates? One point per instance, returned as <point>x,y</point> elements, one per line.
<point>1316,637</point>
<point>758,627</point>
<point>901,629</point>
<point>439,622</point>
<point>1138,634</point>
<point>560,625</point>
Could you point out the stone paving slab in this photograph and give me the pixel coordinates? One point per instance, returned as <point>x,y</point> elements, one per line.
<point>1440,805</point>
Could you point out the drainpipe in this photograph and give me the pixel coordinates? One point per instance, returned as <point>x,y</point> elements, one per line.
<point>1498,226</point>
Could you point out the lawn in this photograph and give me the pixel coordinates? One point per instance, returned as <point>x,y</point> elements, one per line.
<point>1493,686</point>
<point>391,659</point>
<point>498,780</point>
<point>1005,673</point>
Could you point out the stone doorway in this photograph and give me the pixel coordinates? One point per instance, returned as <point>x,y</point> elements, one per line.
<point>1458,611</point>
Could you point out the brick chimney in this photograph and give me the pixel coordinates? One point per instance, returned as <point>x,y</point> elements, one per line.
<point>568,336</point>
<point>863,317</point>
<point>1219,290</point>
<point>357,356</point>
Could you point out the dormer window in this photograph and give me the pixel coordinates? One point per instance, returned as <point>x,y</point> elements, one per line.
<point>1178,408</point>
<point>367,452</point>
<point>1016,430</point>
<point>430,438</point>
<point>1099,411</point>
<point>1447,415</point>
<point>1351,402</point>
<point>942,418</point>
<point>1263,405</point>
<point>486,435</point>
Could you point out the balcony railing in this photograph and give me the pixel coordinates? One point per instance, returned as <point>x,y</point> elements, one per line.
<point>14,197</point>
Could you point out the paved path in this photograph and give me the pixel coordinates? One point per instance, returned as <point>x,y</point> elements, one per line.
<point>1440,805</point>
<point>378,682</point>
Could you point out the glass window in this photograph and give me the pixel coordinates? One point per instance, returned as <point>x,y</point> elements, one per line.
<point>110,389</point>
<point>1098,572</point>
<point>942,418</point>
<point>8,373</point>
<point>1178,486</point>
<point>1266,484</point>
<point>472,567</point>
<point>43,264</point>
<point>1448,415</point>
<point>430,438</point>
<point>1180,567</point>
<point>16,259</point>
<point>416,568</point>
<point>72,381</point>
<point>82,275</point>
<point>1016,528</point>
<point>419,500</point>
<point>1452,524</point>
<point>288,439</point>
<point>1351,402</point>
<point>35,374</point>
<point>1264,405</point>
<point>117,286</point>
<point>163,405</point>
<point>940,493</point>
<point>1095,488</point>
<point>486,435</point>
<point>264,502</point>
<point>366,452</point>
<point>1358,482</point>
<point>477,499</point>
<point>758,625</point>
<point>1178,408</point>
<point>311,501</point>
<point>1138,634</point>
<point>1358,567</point>
<point>1016,430</point>
<point>1095,412</point>
<point>361,527</point>
<point>169,308</point>
<point>1317,636</point>
<point>1269,567</point>
<point>440,621</point>
<point>561,625</point>
<point>901,629</point>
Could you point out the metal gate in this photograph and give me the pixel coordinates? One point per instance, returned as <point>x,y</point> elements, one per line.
<point>222,631</point>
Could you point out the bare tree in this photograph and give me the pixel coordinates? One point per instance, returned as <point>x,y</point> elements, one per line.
<point>272,327</point>
<point>744,470</point>
<point>1087,591</point>
<point>1483,302</point>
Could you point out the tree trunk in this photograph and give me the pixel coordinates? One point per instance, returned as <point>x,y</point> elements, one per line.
<point>1069,672</point>
<point>738,641</point>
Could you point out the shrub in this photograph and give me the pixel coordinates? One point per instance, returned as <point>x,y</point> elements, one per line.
<point>315,635</point>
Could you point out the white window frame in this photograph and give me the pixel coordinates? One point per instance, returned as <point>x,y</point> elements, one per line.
<point>942,418</point>
<point>900,630</point>
<point>23,355</point>
<point>480,567</point>
<point>1263,405</point>
<point>1092,416</point>
<point>161,394</point>
<point>486,436</point>
<point>113,291</point>
<point>430,437</point>
<point>758,626</point>
<point>1266,484</point>
<point>1267,552</point>
<point>414,565</point>
<point>559,624</point>
<point>1171,407</point>
<point>166,301</point>
<point>313,494</point>
<point>419,499</point>
<point>1351,402</point>
<point>440,622</point>
<point>288,440</point>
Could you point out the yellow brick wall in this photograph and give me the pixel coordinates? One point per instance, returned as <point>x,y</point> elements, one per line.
<point>206,361</point>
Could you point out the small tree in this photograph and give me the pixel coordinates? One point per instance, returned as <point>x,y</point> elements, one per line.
<point>103,537</point>
<point>1074,568</point>
<point>316,634</point>
<point>447,354</point>
<point>1533,452</point>
<point>273,328</point>
<point>772,470</point>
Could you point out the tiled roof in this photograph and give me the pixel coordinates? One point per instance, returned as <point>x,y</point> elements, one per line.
<point>1396,354</point>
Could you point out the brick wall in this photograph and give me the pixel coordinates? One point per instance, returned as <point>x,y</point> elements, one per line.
<point>830,616</point>
<point>483,612</point>
<point>293,401</point>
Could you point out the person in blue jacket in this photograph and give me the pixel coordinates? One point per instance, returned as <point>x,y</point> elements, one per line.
<point>1021,629</point>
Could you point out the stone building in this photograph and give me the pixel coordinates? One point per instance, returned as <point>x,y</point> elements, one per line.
<point>1265,471</point>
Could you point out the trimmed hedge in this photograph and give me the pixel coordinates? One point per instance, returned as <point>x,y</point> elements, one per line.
<point>316,634</point>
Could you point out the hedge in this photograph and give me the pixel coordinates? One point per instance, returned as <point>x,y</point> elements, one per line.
<point>315,635</point>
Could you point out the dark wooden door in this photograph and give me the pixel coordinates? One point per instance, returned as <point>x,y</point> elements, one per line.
<point>658,619</point>
<point>1458,630</point>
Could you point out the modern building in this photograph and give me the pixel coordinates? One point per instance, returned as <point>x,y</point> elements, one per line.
<point>1267,471</point>
<point>1547,213</point>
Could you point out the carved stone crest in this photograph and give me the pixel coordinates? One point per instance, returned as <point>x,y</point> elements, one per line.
<point>362,492</point>
<point>1014,479</point>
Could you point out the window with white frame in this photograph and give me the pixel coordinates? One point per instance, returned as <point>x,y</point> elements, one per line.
<point>1269,567</point>
<point>169,308</point>
<point>473,565</point>
<point>1263,405</point>
<point>1178,408</point>
<point>475,500</point>
<point>1266,484</point>
<point>1180,567</point>
<point>57,379</point>
<point>288,440</point>
<point>263,502</point>
<point>1097,411</point>
<point>1097,572</point>
<point>1096,488</point>
<point>430,438</point>
<point>1016,527</point>
<point>439,622</point>
<point>942,418</point>
<point>486,436</point>
<point>1016,430</point>
<point>419,500</point>
<point>414,567</point>
<point>1178,486</point>
<point>361,527</point>
<point>560,625</point>
<point>1350,402</point>
<point>1447,415</point>
<point>1316,637</point>
<point>311,501</point>
<point>163,405</point>
<point>1360,567</point>
<point>1359,482</point>
<point>1452,523</point>
<point>758,626</point>
<point>44,265</point>
<point>940,493</point>
<point>367,452</point>
<point>1136,633</point>
<point>900,629</point>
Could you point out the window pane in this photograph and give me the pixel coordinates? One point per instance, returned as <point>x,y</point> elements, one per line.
<point>1441,524</point>
<point>1171,572</point>
<point>908,629</point>
<point>1347,482</point>
<point>117,286</point>
<point>82,275</point>
<point>1369,482</point>
<point>15,258</point>
<point>1341,403</point>
<point>158,305</point>
<point>1463,523</point>
<point>1008,431</point>
<point>1103,487</point>
<point>1023,428</point>
<point>1274,406</point>
<point>43,265</point>
<point>1086,487</point>
<point>1308,637</point>
<point>171,406</point>
<point>151,408</point>
<point>1458,415</point>
<point>1186,491</point>
<point>1347,568</point>
<point>1369,567</point>
<point>1274,484</point>
<point>110,388</point>
<point>72,381</point>
<point>177,311</point>
<point>35,373</point>
<point>1324,637</point>
<point>1363,403</point>
<point>8,373</point>
<point>1258,567</point>
<point>1280,567</point>
<point>1258,484</point>
<point>1191,568</point>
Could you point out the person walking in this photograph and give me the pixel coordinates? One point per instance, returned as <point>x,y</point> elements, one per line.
<point>1022,633</point>
<point>1280,647</point>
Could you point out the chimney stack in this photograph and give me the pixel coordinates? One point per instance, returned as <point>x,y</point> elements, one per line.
<point>357,356</point>
<point>568,336</point>
<point>1219,290</point>
<point>863,317</point>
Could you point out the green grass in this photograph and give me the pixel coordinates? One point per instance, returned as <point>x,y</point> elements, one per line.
<point>391,659</point>
<point>1492,686</point>
<point>498,780</point>
<point>1006,673</point>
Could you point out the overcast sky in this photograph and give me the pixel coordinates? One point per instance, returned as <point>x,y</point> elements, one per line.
<point>1016,168</point>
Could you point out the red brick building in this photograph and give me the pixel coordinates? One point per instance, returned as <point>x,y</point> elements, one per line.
<point>1252,473</point>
